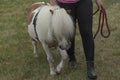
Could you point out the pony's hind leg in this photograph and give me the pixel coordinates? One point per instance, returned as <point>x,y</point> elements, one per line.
<point>49,58</point>
<point>64,56</point>
<point>35,47</point>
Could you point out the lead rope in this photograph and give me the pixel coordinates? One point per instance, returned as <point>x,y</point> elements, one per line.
<point>102,20</point>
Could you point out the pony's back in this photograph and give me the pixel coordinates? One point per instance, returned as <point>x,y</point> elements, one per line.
<point>54,25</point>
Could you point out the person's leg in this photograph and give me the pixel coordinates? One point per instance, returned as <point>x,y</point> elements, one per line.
<point>84,15</point>
<point>71,51</point>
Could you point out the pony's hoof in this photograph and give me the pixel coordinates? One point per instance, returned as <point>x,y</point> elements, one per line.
<point>52,73</point>
<point>57,72</point>
<point>36,56</point>
<point>58,69</point>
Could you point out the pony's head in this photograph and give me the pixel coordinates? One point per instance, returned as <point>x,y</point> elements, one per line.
<point>64,44</point>
<point>63,27</point>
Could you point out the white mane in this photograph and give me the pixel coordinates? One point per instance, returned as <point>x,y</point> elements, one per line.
<point>62,23</point>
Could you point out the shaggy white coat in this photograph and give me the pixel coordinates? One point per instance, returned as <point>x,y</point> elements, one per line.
<point>53,23</point>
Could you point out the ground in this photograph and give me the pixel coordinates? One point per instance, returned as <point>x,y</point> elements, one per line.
<point>17,61</point>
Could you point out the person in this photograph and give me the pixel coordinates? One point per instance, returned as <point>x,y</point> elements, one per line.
<point>82,11</point>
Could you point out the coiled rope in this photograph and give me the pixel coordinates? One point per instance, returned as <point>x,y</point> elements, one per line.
<point>102,20</point>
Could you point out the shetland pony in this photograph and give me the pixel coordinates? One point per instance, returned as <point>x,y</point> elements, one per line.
<point>53,27</point>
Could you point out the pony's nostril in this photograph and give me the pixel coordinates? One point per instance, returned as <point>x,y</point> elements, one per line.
<point>61,47</point>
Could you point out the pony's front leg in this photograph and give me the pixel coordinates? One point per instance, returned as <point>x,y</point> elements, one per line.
<point>64,56</point>
<point>49,58</point>
<point>35,47</point>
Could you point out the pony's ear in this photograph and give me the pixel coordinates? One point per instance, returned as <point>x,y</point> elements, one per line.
<point>51,11</point>
<point>68,11</point>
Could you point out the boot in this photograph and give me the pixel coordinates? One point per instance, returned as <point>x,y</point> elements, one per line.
<point>90,70</point>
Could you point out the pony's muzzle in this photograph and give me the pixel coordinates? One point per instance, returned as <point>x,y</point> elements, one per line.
<point>61,47</point>
<point>65,47</point>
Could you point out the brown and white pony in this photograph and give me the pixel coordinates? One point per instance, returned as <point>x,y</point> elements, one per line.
<point>53,27</point>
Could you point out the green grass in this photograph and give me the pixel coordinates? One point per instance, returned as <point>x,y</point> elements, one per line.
<point>17,61</point>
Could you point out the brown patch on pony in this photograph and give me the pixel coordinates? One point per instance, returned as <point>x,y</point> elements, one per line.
<point>32,8</point>
<point>68,11</point>
<point>54,44</point>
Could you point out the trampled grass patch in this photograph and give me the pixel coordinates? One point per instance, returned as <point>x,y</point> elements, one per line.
<point>17,61</point>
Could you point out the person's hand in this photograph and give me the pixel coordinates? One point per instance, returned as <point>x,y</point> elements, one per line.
<point>99,4</point>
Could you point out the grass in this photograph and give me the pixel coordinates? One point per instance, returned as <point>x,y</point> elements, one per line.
<point>16,54</point>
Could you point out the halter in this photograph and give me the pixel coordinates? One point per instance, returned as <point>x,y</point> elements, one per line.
<point>34,23</point>
<point>35,19</point>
